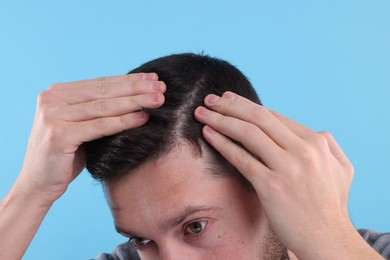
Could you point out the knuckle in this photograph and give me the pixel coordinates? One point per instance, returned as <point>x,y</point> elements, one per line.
<point>46,115</point>
<point>100,123</point>
<point>130,102</point>
<point>242,158</point>
<point>101,86</point>
<point>241,155</point>
<point>124,120</point>
<point>56,86</point>
<point>319,140</point>
<point>326,134</point>
<point>260,113</point>
<point>274,113</point>
<point>101,79</point>
<point>131,76</point>
<point>219,119</point>
<point>127,122</point>
<point>290,164</point>
<point>307,153</point>
<point>55,132</point>
<point>100,105</point>
<point>223,106</point>
<point>249,129</point>
<point>138,84</point>
<point>350,169</point>
<point>45,97</point>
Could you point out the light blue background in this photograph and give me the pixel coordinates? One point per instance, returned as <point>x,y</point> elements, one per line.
<point>324,63</point>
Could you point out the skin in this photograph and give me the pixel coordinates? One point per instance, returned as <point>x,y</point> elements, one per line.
<point>310,187</point>
<point>181,195</point>
<point>67,115</point>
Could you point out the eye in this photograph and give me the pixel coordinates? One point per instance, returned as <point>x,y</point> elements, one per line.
<point>195,228</point>
<point>139,242</point>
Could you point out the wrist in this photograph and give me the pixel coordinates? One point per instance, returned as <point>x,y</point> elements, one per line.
<point>21,212</point>
<point>22,190</point>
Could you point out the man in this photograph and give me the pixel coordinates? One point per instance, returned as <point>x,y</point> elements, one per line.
<point>192,166</point>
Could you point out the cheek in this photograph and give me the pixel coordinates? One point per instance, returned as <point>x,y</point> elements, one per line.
<point>225,242</point>
<point>225,247</point>
<point>239,237</point>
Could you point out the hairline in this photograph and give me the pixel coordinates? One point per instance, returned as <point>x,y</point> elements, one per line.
<point>213,166</point>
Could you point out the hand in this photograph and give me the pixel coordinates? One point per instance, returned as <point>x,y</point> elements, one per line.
<point>302,178</point>
<point>69,114</point>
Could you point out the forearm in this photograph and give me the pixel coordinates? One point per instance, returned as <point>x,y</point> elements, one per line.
<point>21,213</point>
<point>355,247</point>
<point>344,245</point>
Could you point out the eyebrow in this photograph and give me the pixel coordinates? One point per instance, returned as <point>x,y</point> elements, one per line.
<point>174,221</point>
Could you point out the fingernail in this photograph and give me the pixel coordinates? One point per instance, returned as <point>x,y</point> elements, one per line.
<point>150,76</point>
<point>209,130</point>
<point>229,95</point>
<point>156,85</point>
<point>212,98</point>
<point>203,111</point>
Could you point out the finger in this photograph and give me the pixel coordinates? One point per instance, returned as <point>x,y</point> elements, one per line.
<point>94,129</point>
<point>337,152</point>
<point>110,87</point>
<point>249,135</point>
<point>295,127</point>
<point>253,170</point>
<point>110,80</point>
<point>109,107</point>
<point>233,105</point>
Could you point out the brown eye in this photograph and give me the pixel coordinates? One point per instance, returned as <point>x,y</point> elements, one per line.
<point>196,227</point>
<point>139,242</point>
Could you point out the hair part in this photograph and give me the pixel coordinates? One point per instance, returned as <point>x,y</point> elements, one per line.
<point>189,79</point>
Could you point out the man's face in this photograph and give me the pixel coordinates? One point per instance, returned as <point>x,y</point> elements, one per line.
<point>176,209</point>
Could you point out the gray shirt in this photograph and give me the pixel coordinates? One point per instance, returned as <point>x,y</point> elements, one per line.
<point>379,241</point>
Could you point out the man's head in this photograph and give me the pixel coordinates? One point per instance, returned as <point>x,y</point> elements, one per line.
<point>189,78</point>
<point>165,183</point>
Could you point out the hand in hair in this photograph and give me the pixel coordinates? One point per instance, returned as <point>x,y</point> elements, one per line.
<point>302,178</point>
<point>67,115</point>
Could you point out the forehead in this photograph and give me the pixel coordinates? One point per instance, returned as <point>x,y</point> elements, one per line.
<point>158,189</point>
<point>158,179</point>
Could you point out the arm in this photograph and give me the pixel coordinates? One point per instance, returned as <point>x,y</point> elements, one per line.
<point>68,114</point>
<point>21,213</point>
<point>302,178</point>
